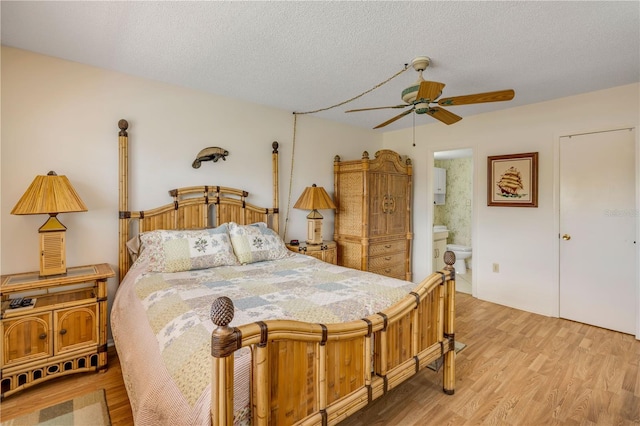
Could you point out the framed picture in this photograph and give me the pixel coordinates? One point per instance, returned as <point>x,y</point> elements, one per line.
<point>512,180</point>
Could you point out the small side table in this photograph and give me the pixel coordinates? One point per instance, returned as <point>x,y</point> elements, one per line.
<point>63,330</point>
<point>327,251</point>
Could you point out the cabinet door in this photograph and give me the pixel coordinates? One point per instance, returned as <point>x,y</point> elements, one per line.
<point>379,204</point>
<point>440,248</point>
<point>330,255</point>
<point>76,328</point>
<point>397,212</point>
<point>439,180</point>
<point>26,339</point>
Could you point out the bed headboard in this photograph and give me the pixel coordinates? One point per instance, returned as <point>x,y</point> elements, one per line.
<point>191,207</point>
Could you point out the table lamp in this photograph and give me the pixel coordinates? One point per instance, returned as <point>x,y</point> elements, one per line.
<point>51,194</point>
<point>314,198</point>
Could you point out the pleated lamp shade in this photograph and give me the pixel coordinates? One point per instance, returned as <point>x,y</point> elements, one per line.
<point>50,194</point>
<point>314,198</point>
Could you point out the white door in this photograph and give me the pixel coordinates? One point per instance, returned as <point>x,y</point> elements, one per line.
<point>598,251</point>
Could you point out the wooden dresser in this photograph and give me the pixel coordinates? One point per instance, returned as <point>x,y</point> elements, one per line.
<point>373,215</point>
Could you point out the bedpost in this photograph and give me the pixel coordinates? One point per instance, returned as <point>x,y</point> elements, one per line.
<point>225,341</point>
<point>276,195</point>
<point>449,372</point>
<point>123,201</point>
<point>409,196</point>
<point>336,200</point>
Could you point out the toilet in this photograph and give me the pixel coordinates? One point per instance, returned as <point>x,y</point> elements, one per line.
<point>462,253</point>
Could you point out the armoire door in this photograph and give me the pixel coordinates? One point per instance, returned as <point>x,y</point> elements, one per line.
<point>378,204</point>
<point>397,213</point>
<point>388,204</point>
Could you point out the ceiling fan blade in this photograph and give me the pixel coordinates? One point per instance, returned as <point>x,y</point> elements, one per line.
<point>384,107</point>
<point>498,96</point>
<point>397,117</point>
<point>429,90</point>
<point>447,117</point>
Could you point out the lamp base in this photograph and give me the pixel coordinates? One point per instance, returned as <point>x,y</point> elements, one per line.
<point>314,230</point>
<point>52,248</point>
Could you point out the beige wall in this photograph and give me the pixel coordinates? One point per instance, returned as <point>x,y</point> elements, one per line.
<point>60,115</point>
<point>524,241</point>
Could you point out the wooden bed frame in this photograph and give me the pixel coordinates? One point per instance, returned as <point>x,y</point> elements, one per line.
<point>303,373</point>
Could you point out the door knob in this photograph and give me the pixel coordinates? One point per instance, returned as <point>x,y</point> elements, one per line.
<point>566,237</point>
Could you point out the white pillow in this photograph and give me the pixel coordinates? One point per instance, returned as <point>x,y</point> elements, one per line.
<point>256,243</point>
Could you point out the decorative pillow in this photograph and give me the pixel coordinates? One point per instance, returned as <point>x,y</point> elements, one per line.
<point>256,243</point>
<point>184,250</point>
<point>134,248</point>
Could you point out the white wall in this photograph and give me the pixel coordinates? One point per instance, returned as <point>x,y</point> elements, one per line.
<point>524,241</point>
<point>60,115</point>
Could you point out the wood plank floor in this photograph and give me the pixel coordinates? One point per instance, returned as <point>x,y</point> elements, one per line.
<point>67,387</point>
<point>518,369</point>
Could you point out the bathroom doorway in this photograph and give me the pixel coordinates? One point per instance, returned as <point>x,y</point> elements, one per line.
<point>453,209</point>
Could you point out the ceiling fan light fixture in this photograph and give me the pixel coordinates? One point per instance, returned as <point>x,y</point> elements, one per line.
<point>422,107</point>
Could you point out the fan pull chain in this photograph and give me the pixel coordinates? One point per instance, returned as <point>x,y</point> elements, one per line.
<point>414,129</point>
<point>293,147</point>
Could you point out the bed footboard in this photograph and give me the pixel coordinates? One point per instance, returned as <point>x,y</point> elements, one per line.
<point>306,373</point>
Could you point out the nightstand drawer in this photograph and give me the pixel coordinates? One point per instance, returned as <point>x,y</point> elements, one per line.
<point>327,251</point>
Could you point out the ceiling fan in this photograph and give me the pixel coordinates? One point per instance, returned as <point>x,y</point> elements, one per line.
<point>423,93</point>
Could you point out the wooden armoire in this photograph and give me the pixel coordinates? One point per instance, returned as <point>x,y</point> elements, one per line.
<point>373,215</point>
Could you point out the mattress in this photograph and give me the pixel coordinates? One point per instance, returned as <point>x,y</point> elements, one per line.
<point>162,331</point>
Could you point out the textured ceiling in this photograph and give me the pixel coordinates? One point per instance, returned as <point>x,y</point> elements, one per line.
<point>301,56</point>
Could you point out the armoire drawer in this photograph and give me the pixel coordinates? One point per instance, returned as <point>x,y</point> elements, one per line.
<point>387,261</point>
<point>394,271</point>
<point>378,249</point>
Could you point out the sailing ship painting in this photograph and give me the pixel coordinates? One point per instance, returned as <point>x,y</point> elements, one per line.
<point>513,180</point>
<point>510,183</point>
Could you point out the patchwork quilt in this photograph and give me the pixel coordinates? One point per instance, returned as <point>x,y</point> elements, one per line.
<point>162,330</point>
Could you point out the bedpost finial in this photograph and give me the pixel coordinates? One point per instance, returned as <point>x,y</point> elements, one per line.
<point>123,125</point>
<point>336,159</point>
<point>365,155</point>
<point>408,161</point>
<point>274,145</point>
<point>222,311</point>
<point>449,258</point>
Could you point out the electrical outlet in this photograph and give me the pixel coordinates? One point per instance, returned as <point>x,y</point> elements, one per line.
<point>496,267</point>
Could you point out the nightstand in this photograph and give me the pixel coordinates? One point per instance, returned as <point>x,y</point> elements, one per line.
<point>326,251</point>
<point>63,331</point>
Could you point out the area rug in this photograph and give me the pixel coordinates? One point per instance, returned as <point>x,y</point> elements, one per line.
<point>435,365</point>
<point>86,410</point>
